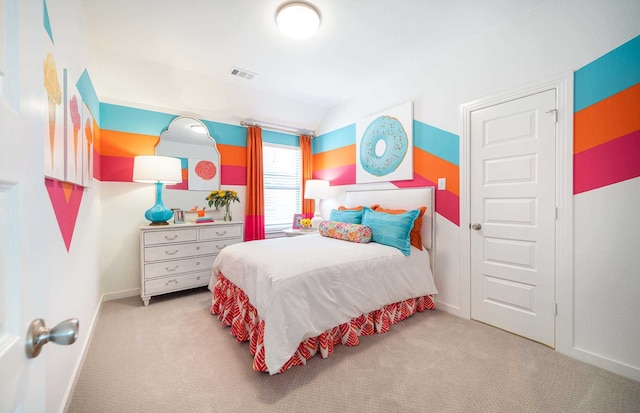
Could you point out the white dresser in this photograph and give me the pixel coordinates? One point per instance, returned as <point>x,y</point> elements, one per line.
<point>180,256</point>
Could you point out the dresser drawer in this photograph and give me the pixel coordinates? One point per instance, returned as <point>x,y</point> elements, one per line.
<point>173,251</point>
<point>178,282</point>
<point>161,269</point>
<point>166,237</point>
<point>220,232</point>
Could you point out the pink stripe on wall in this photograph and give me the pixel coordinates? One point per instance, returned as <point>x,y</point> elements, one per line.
<point>341,175</point>
<point>233,175</point>
<point>447,203</point>
<point>120,169</point>
<point>116,169</point>
<point>612,162</point>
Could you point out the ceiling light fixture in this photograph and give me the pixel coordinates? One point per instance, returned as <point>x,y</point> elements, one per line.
<point>198,128</point>
<point>297,19</point>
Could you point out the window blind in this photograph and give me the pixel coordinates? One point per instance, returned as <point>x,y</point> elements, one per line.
<point>282,185</point>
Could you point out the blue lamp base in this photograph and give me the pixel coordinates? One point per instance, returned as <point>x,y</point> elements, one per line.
<point>158,214</point>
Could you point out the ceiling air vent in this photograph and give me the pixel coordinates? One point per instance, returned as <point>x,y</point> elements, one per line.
<point>245,74</point>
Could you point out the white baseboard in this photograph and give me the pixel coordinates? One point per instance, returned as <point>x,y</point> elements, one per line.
<point>121,294</point>
<point>614,366</point>
<point>448,308</point>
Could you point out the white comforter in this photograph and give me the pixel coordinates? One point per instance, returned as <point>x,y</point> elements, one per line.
<point>302,286</point>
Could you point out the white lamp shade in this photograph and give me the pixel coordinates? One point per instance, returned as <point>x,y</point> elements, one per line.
<point>298,20</point>
<point>153,169</point>
<point>316,189</point>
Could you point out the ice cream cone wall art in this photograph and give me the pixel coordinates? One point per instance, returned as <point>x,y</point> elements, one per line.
<point>54,141</point>
<point>73,133</point>
<point>76,123</point>
<point>87,144</point>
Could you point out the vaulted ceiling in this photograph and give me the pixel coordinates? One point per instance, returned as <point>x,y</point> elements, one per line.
<point>360,43</point>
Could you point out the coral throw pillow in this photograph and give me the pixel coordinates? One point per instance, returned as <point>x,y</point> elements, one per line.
<point>357,208</point>
<point>416,238</point>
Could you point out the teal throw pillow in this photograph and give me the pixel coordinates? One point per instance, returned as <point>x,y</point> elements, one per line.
<point>390,229</point>
<point>349,216</point>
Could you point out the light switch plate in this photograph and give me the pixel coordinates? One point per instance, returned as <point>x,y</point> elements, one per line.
<point>442,184</point>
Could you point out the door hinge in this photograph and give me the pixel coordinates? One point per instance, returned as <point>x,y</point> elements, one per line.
<point>555,114</point>
<point>556,309</point>
<point>556,213</point>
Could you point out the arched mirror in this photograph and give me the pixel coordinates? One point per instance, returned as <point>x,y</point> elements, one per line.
<point>188,139</point>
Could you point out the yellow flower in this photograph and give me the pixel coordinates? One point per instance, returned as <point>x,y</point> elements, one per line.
<point>221,193</point>
<point>305,222</point>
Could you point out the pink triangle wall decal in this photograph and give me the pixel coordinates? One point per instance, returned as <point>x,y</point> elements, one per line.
<point>65,198</point>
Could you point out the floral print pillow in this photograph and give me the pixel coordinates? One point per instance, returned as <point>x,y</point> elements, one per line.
<point>345,231</point>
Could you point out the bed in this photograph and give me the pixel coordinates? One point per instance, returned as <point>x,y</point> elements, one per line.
<point>295,297</point>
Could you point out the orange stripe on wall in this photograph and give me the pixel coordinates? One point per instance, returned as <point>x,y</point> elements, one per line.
<point>608,119</point>
<point>425,164</point>
<point>335,158</point>
<point>431,167</point>
<point>96,137</point>
<point>233,155</point>
<point>124,144</point>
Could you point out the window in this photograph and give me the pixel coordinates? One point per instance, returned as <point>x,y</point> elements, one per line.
<point>282,185</point>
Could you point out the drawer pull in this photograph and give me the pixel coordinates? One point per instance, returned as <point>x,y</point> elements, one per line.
<point>221,233</point>
<point>197,262</point>
<point>171,253</point>
<point>220,247</point>
<point>172,281</point>
<point>171,269</point>
<point>171,238</point>
<point>198,248</point>
<point>198,277</point>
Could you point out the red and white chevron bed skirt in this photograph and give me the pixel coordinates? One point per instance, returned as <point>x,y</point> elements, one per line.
<point>233,308</point>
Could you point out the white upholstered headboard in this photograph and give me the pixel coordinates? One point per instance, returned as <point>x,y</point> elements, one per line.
<point>407,198</point>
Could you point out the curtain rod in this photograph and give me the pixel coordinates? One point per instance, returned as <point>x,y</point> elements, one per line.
<point>278,127</point>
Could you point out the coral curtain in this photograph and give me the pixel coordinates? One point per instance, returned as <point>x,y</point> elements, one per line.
<point>308,205</point>
<point>254,215</point>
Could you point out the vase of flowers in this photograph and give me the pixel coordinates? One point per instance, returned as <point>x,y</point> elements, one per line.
<point>223,198</point>
<point>305,224</point>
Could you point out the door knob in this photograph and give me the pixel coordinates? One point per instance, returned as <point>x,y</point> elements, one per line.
<point>476,226</point>
<point>38,335</point>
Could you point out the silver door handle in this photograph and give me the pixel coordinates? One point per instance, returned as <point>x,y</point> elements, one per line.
<point>38,335</point>
<point>476,226</point>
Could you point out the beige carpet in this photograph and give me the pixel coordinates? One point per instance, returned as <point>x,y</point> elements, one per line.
<point>173,356</point>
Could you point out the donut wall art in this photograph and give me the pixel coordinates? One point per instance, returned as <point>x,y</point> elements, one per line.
<point>384,146</point>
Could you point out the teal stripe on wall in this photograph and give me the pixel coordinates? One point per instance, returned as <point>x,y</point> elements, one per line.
<point>608,75</point>
<point>89,96</point>
<point>279,138</point>
<point>336,139</point>
<point>147,122</point>
<point>226,134</point>
<point>430,139</point>
<point>443,144</point>
<point>133,120</point>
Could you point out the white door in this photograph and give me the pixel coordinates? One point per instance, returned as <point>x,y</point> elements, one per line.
<point>22,194</point>
<point>513,212</point>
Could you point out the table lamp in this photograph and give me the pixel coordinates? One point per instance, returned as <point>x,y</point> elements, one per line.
<point>158,170</point>
<point>316,189</point>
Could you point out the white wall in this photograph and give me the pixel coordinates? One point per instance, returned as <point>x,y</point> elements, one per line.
<point>557,37</point>
<point>123,208</point>
<point>606,282</point>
